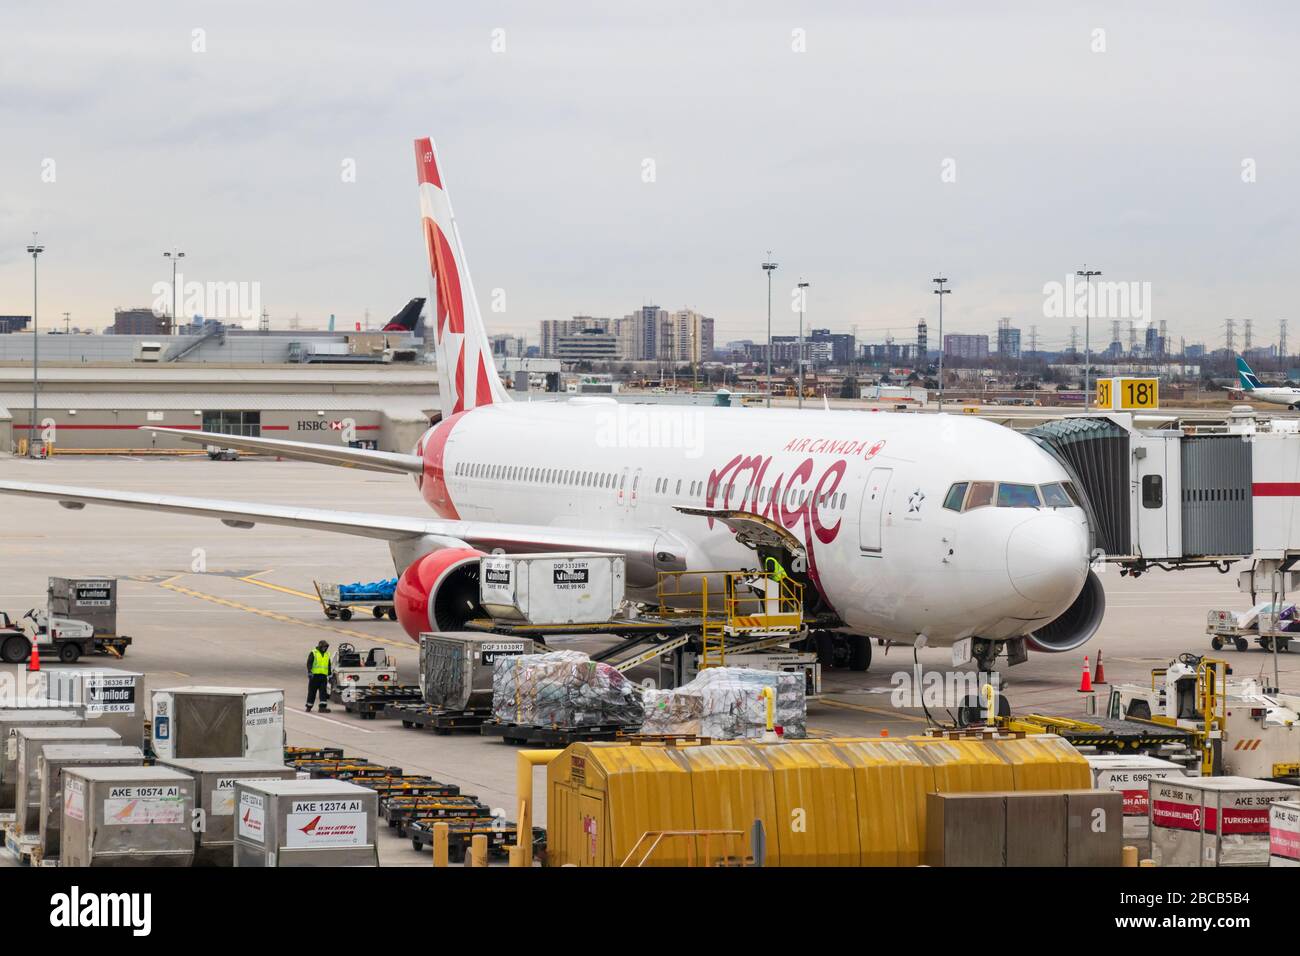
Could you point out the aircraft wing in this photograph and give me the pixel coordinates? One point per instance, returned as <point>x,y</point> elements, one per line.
<point>648,551</point>
<point>343,455</point>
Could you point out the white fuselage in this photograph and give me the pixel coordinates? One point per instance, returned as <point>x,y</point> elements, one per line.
<point>864,492</point>
<point>1274,395</point>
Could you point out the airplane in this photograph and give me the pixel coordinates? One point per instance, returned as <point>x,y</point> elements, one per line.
<point>914,530</point>
<point>1252,388</point>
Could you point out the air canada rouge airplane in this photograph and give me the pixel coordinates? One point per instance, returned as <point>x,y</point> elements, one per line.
<point>927,530</point>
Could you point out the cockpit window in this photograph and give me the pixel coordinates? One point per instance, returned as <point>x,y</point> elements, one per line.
<point>1017,496</point>
<point>981,494</point>
<point>956,495</point>
<point>1055,496</point>
<point>1073,493</point>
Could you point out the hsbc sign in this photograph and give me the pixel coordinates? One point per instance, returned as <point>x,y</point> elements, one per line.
<point>321,425</point>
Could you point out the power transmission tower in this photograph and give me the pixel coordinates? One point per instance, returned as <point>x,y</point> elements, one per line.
<point>1074,340</point>
<point>1229,335</point>
<point>1281,340</point>
<point>1247,337</point>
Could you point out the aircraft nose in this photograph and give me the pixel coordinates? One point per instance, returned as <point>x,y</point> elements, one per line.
<point>1047,559</point>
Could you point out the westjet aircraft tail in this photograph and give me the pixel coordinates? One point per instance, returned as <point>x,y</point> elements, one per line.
<point>1248,380</point>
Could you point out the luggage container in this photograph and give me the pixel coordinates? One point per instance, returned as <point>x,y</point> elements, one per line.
<point>456,668</point>
<point>30,741</point>
<point>1213,821</point>
<point>305,823</point>
<point>1130,775</point>
<point>108,697</point>
<point>127,816</point>
<point>576,587</point>
<point>218,722</point>
<point>55,758</point>
<point>1094,828</point>
<point>9,719</point>
<point>214,798</point>
<point>93,600</point>
<point>966,829</point>
<point>1284,833</point>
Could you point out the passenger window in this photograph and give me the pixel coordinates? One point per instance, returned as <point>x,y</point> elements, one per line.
<point>679,487</point>
<point>1054,496</point>
<point>956,495</point>
<point>1153,491</point>
<point>1017,496</point>
<point>981,495</point>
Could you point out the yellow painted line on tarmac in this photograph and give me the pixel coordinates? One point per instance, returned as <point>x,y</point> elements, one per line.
<point>170,585</point>
<point>878,711</point>
<point>252,579</point>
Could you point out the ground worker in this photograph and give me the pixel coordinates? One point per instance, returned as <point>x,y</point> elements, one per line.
<point>318,676</point>
<point>776,574</point>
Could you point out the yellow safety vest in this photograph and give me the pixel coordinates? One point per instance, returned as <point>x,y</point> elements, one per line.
<point>775,569</point>
<point>320,663</point>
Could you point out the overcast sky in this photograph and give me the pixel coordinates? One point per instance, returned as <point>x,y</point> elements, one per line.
<point>1128,159</point>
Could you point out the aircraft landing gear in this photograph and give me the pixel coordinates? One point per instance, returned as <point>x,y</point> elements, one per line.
<point>848,651</point>
<point>985,653</point>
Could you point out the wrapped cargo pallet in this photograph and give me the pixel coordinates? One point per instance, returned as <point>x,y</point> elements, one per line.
<point>727,703</point>
<point>563,689</point>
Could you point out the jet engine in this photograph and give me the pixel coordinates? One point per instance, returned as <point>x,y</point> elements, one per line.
<point>1079,622</point>
<point>439,592</point>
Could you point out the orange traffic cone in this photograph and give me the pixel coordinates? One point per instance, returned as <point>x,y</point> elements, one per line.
<point>1100,676</point>
<point>1085,682</point>
<point>34,662</point>
<point>884,733</point>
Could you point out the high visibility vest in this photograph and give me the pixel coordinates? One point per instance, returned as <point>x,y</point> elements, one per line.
<point>774,568</point>
<point>320,663</point>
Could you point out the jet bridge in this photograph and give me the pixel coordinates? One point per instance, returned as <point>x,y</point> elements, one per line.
<point>1190,493</point>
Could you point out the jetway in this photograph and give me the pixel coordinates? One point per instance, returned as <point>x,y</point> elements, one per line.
<point>1189,493</point>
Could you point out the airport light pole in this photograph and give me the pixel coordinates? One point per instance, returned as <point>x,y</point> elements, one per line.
<point>34,250</point>
<point>1086,274</point>
<point>941,282</point>
<point>175,256</point>
<point>802,295</point>
<point>769,267</point>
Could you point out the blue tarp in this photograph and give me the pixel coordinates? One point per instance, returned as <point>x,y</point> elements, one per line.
<point>372,591</point>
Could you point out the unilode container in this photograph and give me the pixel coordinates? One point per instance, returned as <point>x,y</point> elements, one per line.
<point>1213,821</point>
<point>30,741</point>
<point>305,823</point>
<point>218,722</point>
<point>55,758</point>
<point>9,719</point>
<point>1131,775</point>
<point>456,668</point>
<point>127,816</point>
<point>562,588</point>
<point>108,696</point>
<point>1284,833</point>
<point>215,779</point>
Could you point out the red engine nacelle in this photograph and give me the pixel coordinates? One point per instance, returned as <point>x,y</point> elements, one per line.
<point>439,592</point>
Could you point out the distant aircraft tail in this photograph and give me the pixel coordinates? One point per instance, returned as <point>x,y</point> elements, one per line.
<point>467,376</point>
<point>1248,380</point>
<point>407,320</point>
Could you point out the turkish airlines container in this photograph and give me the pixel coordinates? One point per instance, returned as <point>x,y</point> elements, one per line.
<point>127,816</point>
<point>1284,833</point>
<point>30,741</point>
<point>1131,775</point>
<point>218,722</point>
<point>109,697</point>
<point>1213,821</point>
<point>215,779</point>
<point>55,758</point>
<point>305,823</point>
<point>20,717</point>
<point>577,587</point>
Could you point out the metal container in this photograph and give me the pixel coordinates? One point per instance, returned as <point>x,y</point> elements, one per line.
<point>1094,834</point>
<point>1213,821</point>
<point>1284,833</point>
<point>562,588</point>
<point>30,741</point>
<point>93,600</point>
<point>305,823</point>
<point>218,722</point>
<point>1036,829</point>
<point>966,829</point>
<point>55,758</point>
<point>1130,775</point>
<point>9,719</point>
<point>109,697</point>
<point>456,668</point>
<point>215,779</point>
<point>127,816</point>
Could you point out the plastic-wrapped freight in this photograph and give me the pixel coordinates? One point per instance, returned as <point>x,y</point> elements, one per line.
<point>563,689</point>
<point>727,703</point>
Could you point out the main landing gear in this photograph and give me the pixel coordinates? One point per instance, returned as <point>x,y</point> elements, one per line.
<point>845,651</point>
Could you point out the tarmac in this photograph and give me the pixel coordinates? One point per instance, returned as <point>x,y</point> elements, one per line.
<point>208,604</point>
